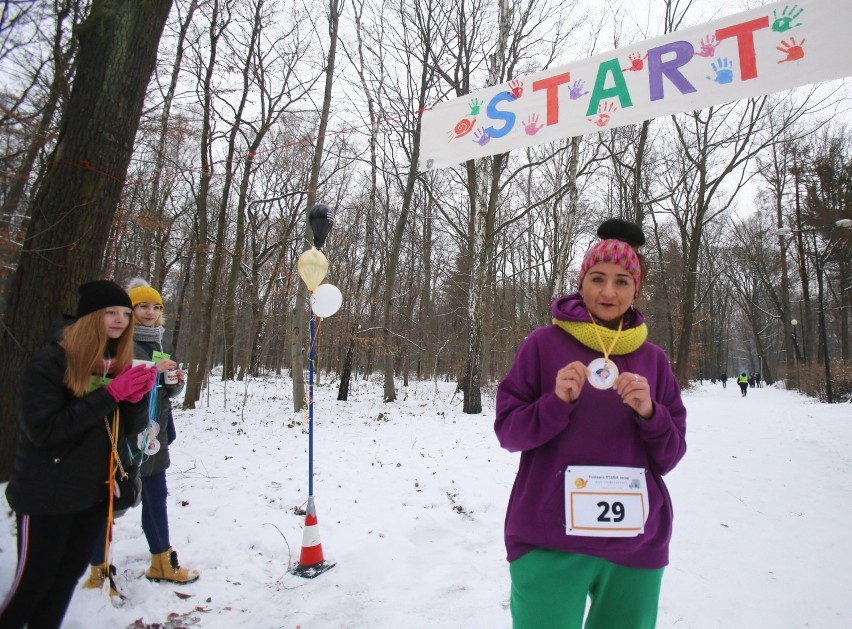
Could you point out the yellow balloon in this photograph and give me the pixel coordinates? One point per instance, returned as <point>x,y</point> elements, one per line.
<point>312,265</point>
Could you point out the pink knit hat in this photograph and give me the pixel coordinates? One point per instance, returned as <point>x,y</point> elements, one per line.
<point>617,251</point>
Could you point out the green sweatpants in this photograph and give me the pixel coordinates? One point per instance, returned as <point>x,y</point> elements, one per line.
<point>549,590</point>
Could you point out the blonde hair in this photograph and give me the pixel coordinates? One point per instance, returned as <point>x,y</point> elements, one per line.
<point>85,342</point>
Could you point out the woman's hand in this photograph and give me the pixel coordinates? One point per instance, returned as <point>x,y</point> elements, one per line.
<point>167,364</point>
<point>636,393</point>
<point>570,380</point>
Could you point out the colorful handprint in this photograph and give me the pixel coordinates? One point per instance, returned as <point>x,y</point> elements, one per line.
<point>481,137</point>
<point>475,104</point>
<point>724,69</point>
<point>605,111</point>
<point>637,62</point>
<point>708,47</point>
<point>516,87</point>
<point>792,49</point>
<point>576,91</point>
<point>531,126</point>
<point>462,128</point>
<point>788,16</point>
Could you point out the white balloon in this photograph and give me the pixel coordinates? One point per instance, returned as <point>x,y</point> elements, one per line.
<point>326,300</point>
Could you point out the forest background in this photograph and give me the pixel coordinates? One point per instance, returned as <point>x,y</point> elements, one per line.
<point>185,142</point>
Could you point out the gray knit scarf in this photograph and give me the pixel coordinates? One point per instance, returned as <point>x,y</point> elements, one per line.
<point>148,335</point>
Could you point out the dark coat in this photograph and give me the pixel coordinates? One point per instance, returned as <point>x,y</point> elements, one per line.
<point>160,461</point>
<point>62,460</point>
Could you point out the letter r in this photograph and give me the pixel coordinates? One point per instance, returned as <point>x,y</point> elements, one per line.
<point>683,52</point>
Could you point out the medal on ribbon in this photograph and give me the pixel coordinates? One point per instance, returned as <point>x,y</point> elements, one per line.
<point>602,371</point>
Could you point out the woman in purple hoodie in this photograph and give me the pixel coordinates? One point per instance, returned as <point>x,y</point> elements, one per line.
<point>596,413</point>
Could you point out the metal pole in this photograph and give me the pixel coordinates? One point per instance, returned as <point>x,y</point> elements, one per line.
<point>311,356</point>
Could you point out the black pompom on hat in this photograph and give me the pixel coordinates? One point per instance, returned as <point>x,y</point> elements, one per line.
<point>100,294</point>
<point>618,229</point>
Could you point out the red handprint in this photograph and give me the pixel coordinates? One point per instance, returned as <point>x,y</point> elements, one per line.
<point>637,62</point>
<point>531,126</point>
<point>793,50</point>
<point>604,114</point>
<point>708,47</point>
<point>517,88</point>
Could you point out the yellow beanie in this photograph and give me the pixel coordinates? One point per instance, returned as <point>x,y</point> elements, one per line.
<point>144,294</point>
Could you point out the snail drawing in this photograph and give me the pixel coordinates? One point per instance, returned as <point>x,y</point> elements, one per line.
<point>462,128</point>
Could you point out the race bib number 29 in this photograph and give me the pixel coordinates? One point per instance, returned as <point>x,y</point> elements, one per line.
<point>605,501</point>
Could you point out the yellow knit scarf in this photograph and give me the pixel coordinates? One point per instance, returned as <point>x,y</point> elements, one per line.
<point>628,341</point>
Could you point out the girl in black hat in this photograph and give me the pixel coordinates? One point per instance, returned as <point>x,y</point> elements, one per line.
<point>61,483</point>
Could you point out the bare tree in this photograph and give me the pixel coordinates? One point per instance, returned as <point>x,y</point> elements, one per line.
<point>297,342</point>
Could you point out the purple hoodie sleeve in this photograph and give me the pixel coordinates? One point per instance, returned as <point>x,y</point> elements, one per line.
<point>528,412</point>
<point>664,433</point>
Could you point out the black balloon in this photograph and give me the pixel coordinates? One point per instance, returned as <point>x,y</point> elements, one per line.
<point>321,218</point>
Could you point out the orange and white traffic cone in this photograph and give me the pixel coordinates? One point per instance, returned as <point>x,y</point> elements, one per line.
<point>311,562</point>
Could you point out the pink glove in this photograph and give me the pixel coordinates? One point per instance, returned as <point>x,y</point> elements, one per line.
<point>152,378</point>
<point>132,383</point>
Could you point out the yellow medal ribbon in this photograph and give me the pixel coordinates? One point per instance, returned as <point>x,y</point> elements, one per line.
<point>606,352</point>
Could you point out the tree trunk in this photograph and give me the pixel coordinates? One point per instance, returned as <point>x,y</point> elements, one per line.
<point>78,196</point>
<point>155,204</point>
<point>197,354</point>
<point>229,367</point>
<point>300,338</point>
<point>484,205</point>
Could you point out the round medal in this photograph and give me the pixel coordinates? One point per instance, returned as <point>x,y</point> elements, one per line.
<point>602,373</point>
<point>147,440</point>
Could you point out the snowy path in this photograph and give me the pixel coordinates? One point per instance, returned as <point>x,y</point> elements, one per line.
<point>410,500</point>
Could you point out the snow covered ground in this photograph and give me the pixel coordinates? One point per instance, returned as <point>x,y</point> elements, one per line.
<point>410,500</point>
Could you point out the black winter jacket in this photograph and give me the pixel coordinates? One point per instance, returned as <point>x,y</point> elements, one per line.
<point>62,459</point>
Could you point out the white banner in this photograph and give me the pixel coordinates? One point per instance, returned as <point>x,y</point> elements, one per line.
<point>775,47</point>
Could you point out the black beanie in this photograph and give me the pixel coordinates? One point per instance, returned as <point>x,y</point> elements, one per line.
<point>101,294</point>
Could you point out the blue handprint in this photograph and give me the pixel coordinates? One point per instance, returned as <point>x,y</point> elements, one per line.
<point>475,104</point>
<point>724,71</point>
<point>788,15</point>
<point>481,137</point>
<point>576,90</point>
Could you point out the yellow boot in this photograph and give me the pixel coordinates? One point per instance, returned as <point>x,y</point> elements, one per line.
<point>165,567</point>
<point>98,575</point>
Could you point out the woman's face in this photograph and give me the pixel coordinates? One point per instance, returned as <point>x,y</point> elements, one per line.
<point>147,313</point>
<point>116,320</point>
<point>608,291</point>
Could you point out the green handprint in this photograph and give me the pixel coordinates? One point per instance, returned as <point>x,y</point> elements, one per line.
<point>788,15</point>
<point>475,104</point>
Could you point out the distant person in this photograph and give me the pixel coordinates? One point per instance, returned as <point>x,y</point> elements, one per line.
<point>561,409</point>
<point>757,379</point>
<point>742,380</point>
<point>724,378</point>
<point>148,336</point>
<point>61,474</point>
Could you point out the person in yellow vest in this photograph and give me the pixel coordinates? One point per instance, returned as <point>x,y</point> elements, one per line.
<point>742,380</point>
